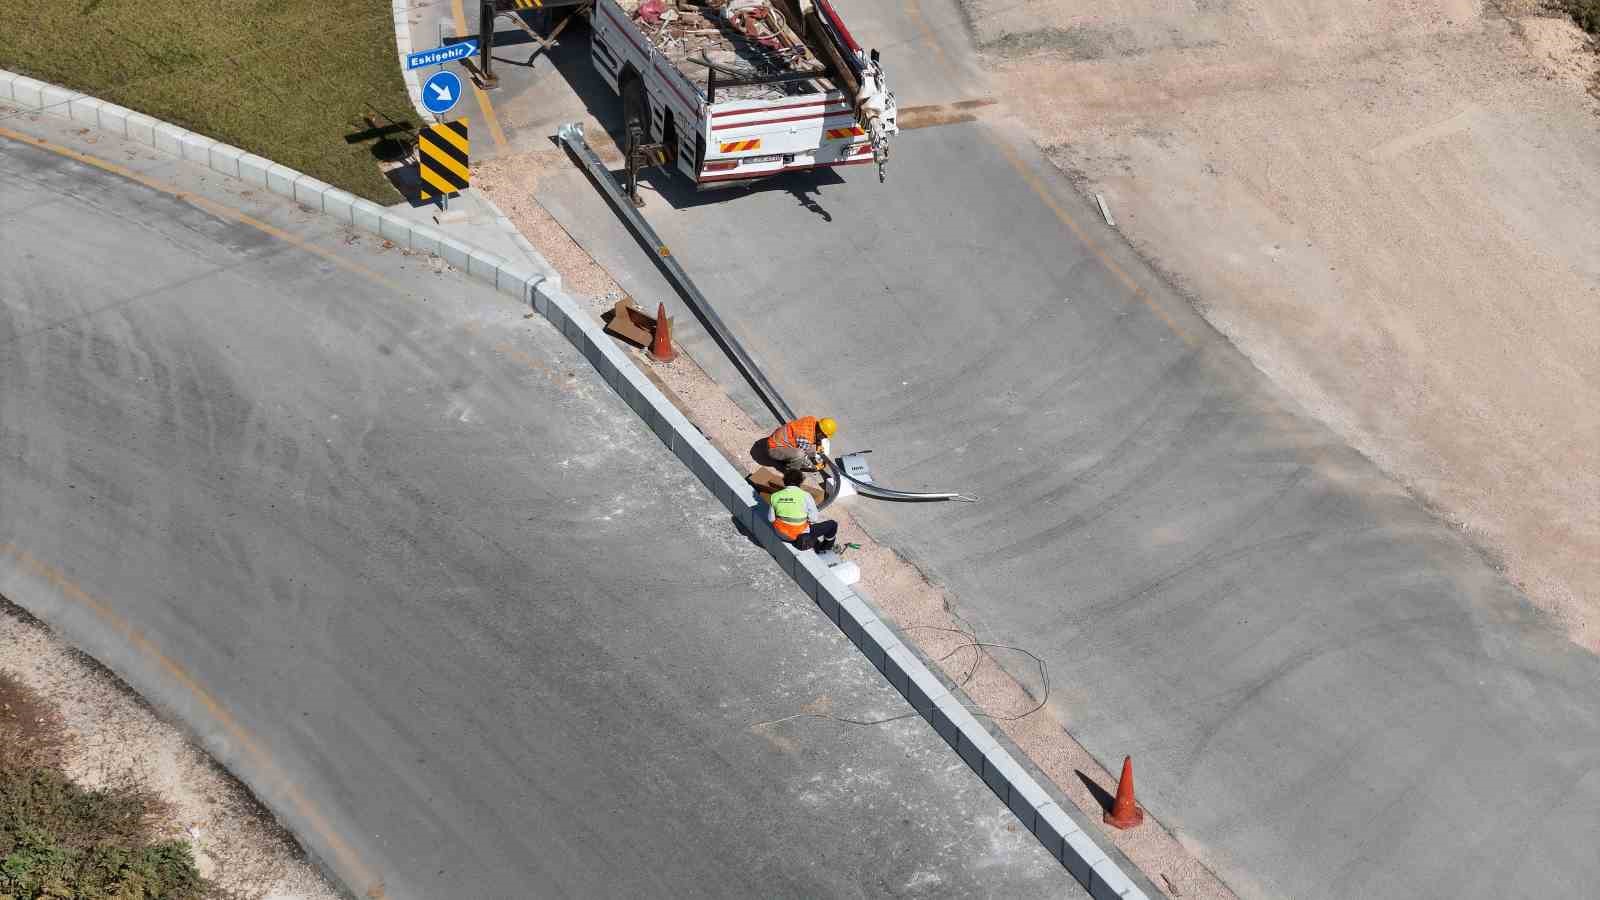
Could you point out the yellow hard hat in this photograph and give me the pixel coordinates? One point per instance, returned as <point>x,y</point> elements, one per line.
<point>827,427</point>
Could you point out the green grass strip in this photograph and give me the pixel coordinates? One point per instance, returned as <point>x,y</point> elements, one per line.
<point>285,79</point>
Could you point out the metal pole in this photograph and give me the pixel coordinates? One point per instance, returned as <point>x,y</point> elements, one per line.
<point>486,43</point>
<point>572,136</point>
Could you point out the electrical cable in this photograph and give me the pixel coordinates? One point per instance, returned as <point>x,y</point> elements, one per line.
<point>977,645</point>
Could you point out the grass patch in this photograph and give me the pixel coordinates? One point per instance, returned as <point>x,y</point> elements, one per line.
<point>58,840</point>
<point>286,79</point>
<point>1585,12</point>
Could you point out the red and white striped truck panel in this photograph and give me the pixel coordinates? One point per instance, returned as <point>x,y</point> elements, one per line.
<point>753,138</point>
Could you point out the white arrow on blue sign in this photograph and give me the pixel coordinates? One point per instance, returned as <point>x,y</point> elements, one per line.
<point>438,56</point>
<point>441,92</point>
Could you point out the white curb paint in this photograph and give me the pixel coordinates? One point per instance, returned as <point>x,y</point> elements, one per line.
<point>402,43</point>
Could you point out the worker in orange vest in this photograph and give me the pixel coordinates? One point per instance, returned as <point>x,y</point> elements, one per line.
<point>794,515</point>
<point>798,445</point>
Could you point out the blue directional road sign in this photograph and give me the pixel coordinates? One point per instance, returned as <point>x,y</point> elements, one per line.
<point>441,92</point>
<point>438,56</point>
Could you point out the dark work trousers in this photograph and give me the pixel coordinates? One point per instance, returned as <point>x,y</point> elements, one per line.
<point>820,538</point>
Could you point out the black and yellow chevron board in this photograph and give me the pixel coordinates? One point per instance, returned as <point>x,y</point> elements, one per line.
<point>442,158</point>
<point>503,5</point>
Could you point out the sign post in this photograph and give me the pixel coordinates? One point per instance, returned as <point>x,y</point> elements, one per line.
<point>486,11</point>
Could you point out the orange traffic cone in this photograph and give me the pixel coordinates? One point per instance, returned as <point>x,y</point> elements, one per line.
<point>661,345</point>
<point>1125,812</point>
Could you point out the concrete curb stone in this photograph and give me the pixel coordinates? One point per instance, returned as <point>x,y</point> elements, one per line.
<point>423,238</point>
<point>851,610</point>
<point>142,130</point>
<point>281,179</point>
<point>56,101</point>
<point>85,111</point>
<point>308,191</point>
<point>1051,825</point>
<point>253,170</point>
<point>223,158</point>
<point>1108,881</point>
<point>340,205</point>
<point>196,148</point>
<point>877,640</point>
<point>1026,796</point>
<point>27,91</point>
<point>484,266</point>
<point>393,228</point>
<point>368,216</point>
<point>113,118</point>
<point>167,138</point>
<point>456,253</point>
<point>1080,854</point>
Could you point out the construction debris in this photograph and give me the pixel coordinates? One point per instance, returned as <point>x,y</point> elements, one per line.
<point>630,323</point>
<point>736,38</point>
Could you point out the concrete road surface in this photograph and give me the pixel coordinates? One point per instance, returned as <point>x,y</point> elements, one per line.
<point>1329,693</point>
<point>406,565</point>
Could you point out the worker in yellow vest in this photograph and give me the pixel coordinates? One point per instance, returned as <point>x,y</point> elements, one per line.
<point>794,515</point>
<point>798,444</point>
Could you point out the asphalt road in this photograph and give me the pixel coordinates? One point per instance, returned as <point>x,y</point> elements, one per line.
<point>1329,692</point>
<point>401,560</point>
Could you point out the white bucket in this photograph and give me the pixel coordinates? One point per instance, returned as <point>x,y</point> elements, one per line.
<point>847,572</point>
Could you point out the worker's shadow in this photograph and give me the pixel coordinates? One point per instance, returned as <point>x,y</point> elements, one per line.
<point>758,452</point>
<point>802,194</point>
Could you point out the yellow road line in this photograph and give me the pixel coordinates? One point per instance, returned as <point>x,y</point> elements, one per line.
<point>210,206</point>
<point>913,11</point>
<point>1043,193</point>
<point>484,106</point>
<point>347,859</point>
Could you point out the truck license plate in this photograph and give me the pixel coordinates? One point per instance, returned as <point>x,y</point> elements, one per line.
<point>753,160</point>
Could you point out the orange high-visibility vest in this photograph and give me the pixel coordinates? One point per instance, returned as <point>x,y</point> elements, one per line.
<point>790,531</point>
<point>792,434</point>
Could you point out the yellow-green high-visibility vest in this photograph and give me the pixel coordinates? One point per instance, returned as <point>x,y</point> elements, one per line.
<point>790,504</point>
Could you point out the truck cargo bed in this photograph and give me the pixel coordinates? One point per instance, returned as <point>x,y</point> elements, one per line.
<point>698,38</point>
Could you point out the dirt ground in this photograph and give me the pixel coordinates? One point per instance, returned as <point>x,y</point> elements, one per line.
<point>104,735</point>
<point>1390,207</point>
